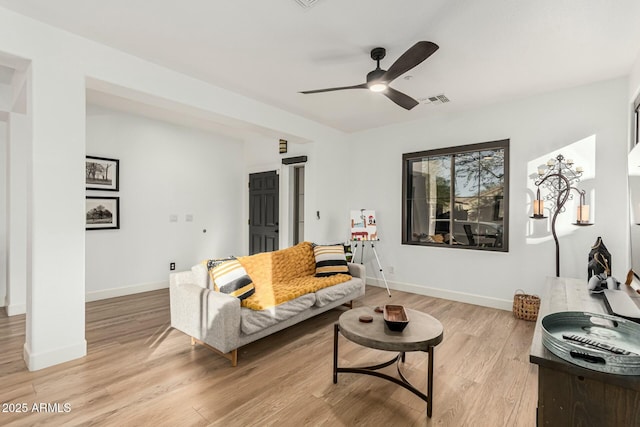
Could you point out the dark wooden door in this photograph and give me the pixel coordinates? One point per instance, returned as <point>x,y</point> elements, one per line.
<point>263,212</point>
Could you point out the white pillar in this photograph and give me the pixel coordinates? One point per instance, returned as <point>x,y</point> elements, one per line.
<point>56,264</point>
<point>4,222</point>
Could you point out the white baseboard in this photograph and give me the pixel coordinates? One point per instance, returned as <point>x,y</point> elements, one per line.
<point>445,294</point>
<point>44,360</point>
<point>127,290</point>
<point>15,309</point>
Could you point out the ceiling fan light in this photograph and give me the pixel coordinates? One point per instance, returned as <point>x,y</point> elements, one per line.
<point>378,87</point>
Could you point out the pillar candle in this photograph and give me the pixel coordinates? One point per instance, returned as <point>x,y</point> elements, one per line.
<point>538,207</point>
<point>583,213</point>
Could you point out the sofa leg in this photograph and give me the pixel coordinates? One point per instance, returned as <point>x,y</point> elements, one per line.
<point>348,304</point>
<point>232,356</point>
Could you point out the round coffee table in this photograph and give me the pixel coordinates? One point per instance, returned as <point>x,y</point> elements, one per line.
<point>422,333</point>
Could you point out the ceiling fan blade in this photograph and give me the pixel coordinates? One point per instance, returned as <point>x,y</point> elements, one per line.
<point>405,101</point>
<point>361,86</point>
<point>412,57</point>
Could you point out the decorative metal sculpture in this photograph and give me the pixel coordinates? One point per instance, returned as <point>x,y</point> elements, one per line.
<point>558,179</point>
<point>599,259</point>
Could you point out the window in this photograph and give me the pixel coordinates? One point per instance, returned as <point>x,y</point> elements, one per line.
<point>457,197</point>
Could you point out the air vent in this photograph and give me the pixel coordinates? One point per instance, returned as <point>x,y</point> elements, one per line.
<point>307,3</point>
<point>438,99</point>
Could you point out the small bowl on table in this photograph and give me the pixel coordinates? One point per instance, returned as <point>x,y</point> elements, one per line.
<point>395,317</point>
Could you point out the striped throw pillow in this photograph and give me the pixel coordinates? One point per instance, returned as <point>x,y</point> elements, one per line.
<point>330,260</point>
<point>229,277</point>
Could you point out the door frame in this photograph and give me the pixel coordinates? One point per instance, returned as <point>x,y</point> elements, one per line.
<point>285,211</point>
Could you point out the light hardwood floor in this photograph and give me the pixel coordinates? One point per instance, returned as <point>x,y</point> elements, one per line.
<point>139,371</point>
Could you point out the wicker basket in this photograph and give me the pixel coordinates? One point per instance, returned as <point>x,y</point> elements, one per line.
<point>525,306</point>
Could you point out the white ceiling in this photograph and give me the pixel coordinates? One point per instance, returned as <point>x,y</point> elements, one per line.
<point>490,50</point>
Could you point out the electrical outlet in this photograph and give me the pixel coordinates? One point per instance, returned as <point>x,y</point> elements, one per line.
<point>172,266</point>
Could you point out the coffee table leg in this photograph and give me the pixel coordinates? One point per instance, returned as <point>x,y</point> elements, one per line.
<point>430,383</point>
<point>336,329</point>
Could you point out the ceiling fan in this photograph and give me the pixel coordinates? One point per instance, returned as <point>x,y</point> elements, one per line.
<point>378,80</point>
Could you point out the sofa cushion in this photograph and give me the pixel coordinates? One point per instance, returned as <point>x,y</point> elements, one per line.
<point>229,277</point>
<point>286,291</point>
<point>330,260</point>
<point>333,293</point>
<point>252,321</point>
<point>201,275</point>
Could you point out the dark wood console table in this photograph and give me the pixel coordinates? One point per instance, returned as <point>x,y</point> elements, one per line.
<point>569,395</point>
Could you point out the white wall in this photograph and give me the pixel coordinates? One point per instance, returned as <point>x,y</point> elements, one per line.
<point>3,212</point>
<point>184,171</point>
<point>5,97</point>
<point>536,126</point>
<point>61,66</point>
<point>19,142</point>
<point>165,170</point>
<point>326,191</point>
<point>634,80</point>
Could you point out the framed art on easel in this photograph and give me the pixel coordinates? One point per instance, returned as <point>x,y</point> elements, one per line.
<point>364,225</point>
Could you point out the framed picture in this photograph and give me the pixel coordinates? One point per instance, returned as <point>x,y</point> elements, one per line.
<point>102,173</point>
<point>102,213</point>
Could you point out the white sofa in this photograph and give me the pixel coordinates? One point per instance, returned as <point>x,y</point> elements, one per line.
<point>218,321</point>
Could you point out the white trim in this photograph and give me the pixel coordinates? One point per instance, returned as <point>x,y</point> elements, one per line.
<point>284,203</point>
<point>15,309</point>
<point>50,358</point>
<point>484,301</point>
<point>265,167</point>
<point>127,290</point>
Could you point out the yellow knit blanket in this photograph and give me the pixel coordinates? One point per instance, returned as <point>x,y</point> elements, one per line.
<point>283,275</point>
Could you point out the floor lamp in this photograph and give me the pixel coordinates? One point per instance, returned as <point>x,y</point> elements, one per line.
<point>558,179</point>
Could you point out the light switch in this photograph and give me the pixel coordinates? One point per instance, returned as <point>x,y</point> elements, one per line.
<point>188,217</point>
<point>173,218</point>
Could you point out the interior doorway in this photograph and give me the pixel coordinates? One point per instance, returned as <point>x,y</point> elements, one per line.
<point>264,220</point>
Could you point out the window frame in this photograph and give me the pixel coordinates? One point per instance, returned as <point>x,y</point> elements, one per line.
<point>407,158</point>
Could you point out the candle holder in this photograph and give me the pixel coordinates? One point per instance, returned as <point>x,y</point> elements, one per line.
<point>559,179</point>
<point>538,205</point>
<point>583,212</point>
